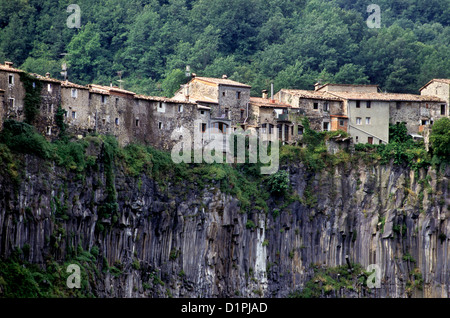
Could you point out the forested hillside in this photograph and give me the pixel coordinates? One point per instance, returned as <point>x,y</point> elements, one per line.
<point>293,43</point>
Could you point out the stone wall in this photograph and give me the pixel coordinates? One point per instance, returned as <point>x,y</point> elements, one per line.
<point>15,91</point>
<point>438,89</point>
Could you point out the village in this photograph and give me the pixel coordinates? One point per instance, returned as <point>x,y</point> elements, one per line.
<point>221,105</point>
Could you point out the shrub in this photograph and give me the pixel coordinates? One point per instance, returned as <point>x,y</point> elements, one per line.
<point>279,182</point>
<point>22,137</point>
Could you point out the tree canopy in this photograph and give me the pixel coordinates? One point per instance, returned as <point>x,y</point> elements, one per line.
<point>292,43</point>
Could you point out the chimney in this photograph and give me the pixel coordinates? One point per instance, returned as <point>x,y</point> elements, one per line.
<point>265,95</point>
<point>47,75</point>
<point>9,64</point>
<point>224,76</point>
<point>271,93</point>
<point>317,86</point>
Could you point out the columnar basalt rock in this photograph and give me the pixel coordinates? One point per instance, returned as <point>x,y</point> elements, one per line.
<point>191,242</point>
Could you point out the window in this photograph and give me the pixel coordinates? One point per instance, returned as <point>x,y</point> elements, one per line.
<point>11,102</point>
<point>424,122</point>
<point>49,88</point>
<point>160,125</point>
<point>443,109</point>
<point>341,122</point>
<point>226,112</point>
<point>326,126</point>
<point>74,93</point>
<point>180,108</point>
<point>280,130</point>
<point>380,142</point>
<point>357,138</point>
<point>117,121</point>
<point>292,130</point>
<point>117,101</point>
<point>370,140</point>
<point>137,122</point>
<point>300,130</point>
<point>223,128</point>
<point>264,128</point>
<point>11,79</point>
<point>203,127</point>
<point>103,99</point>
<point>223,94</point>
<point>74,115</point>
<point>368,104</point>
<point>34,84</point>
<point>358,104</point>
<point>367,120</point>
<point>325,107</point>
<point>242,114</point>
<point>398,105</point>
<point>316,105</point>
<point>49,130</point>
<point>271,128</point>
<point>202,112</point>
<point>238,95</point>
<point>358,120</point>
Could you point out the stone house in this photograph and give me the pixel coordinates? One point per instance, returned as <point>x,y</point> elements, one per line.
<point>324,111</point>
<point>50,99</point>
<point>439,88</point>
<point>228,100</point>
<point>269,116</point>
<point>14,92</point>
<point>371,113</point>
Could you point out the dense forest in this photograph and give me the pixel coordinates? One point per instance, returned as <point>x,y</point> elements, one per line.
<point>292,43</point>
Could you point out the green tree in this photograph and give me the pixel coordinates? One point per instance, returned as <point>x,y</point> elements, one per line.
<point>440,138</point>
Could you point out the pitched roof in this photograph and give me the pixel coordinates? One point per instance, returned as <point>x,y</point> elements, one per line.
<point>385,97</point>
<point>441,80</point>
<point>348,85</point>
<point>68,84</point>
<point>162,99</point>
<point>111,89</point>
<point>311,94</point>
<point>45,78</point>
<point>264,102</point>
<point>10,69</point>
<point>222,81</point>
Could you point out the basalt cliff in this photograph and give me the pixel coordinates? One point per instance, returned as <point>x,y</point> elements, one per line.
<point>180,239</point>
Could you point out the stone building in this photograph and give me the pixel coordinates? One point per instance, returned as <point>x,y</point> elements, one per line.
<point>102,109</point>
<point>14,92</point>
<point>371,113</point>
<point>228,100</point>
<point>269,116</point>
<point>439,88</point>
<point>324,111</point>
<point>50,100</point>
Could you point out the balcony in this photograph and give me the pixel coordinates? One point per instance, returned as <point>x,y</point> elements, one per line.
<point>283,117</point>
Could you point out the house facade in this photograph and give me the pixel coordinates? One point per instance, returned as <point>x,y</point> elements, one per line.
<point>438,88</point>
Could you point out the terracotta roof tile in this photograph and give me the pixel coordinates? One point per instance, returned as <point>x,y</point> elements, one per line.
<point>111,89</point>
<point>10,69</point>
<point>162,99</point>
<point>45,79</point>
<point>68,84</point>
<point>311,94</point>
<point>264,102</point>
<point>222,81</point>
<point>386,97</point>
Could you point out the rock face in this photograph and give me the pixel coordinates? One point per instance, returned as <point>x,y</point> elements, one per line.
<point>177,240</point>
